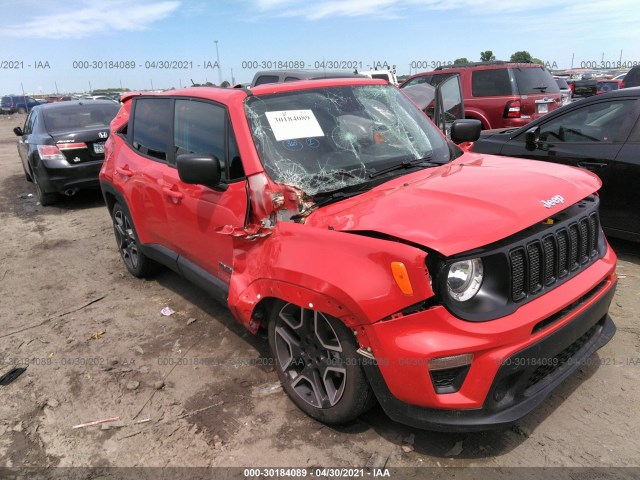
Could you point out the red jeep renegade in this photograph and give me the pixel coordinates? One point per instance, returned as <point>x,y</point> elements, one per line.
<point>385,263</point>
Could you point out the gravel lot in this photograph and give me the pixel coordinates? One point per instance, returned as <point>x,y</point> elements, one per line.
<point>198,393</point>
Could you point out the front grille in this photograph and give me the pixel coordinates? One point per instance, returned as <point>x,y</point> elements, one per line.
<point>542,262</point>
<point>550,365</point>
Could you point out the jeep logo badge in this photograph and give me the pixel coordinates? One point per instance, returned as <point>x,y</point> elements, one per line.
<point>103,134</point>
<point>553,201</point>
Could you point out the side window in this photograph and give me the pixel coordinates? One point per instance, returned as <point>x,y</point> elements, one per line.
<point>599,122</point>
<point>491,83</point>
<point>418,80</point>
<point>236,170</point>
<point>152,127</point>
<point>266,79</point>
<point>441,77</point>
<point>291,79</point>
<point>199,127</point>
<point>29,123</point>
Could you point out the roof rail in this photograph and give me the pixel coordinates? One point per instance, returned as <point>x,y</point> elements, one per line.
<point>478,64</point>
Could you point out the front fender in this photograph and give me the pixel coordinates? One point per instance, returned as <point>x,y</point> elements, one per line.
<point>343,274</point>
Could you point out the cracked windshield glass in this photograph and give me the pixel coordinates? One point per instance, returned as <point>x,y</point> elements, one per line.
<point>325,139</point>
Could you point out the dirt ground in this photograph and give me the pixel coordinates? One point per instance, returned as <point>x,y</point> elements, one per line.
<point>195,393</point>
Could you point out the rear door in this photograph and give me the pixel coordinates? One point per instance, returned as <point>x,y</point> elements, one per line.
<point>24,140</point>
<point>590,137</point>
<point>141,166</point>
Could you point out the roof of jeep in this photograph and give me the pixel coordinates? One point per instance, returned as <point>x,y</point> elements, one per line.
<point>227,94</point>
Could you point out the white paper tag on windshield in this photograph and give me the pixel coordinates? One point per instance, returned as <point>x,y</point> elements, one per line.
<point>290,124</point>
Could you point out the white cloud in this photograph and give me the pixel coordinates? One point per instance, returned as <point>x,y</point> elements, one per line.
<point>90,19</point>
<point>320,9</point>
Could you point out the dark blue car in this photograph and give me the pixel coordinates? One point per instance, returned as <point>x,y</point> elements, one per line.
<point>17,103</point>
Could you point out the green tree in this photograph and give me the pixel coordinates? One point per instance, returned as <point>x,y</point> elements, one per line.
<point>458,61</point>
<point>521,57</point>
<point>487,56</point>
<point>538,61</point>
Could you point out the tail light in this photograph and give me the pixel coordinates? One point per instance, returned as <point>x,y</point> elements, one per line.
<point>54,152</point>
<point>512,109</point>
<point>50,152</point>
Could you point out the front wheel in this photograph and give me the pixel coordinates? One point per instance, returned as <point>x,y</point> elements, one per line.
<point>318,365</point>
<point>138,264</point>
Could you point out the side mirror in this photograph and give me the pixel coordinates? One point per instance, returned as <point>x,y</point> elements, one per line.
<point>18,131</point>
<point>466,130</point>
<point>200,169</point>
<point>532,137</point>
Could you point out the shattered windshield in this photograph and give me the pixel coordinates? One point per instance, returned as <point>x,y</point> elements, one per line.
<point>326,139</point>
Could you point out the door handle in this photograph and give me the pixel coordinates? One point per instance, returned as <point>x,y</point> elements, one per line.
<point>172,193</point>
<point>592,165</point>
<point>124,171</point>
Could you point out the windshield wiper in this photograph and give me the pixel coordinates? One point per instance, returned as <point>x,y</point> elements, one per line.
<point>426,161</point>
<point>542,89</point>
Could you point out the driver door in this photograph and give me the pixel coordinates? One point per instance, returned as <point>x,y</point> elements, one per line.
<point>196,212</point>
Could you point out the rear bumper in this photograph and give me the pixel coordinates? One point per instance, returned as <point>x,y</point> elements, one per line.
<point>514,368</point>
<point>58,177</point>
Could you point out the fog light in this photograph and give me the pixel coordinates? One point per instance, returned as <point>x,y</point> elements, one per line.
<point>453,361</point>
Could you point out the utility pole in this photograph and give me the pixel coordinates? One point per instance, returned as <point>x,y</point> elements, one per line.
<point>218,61</point>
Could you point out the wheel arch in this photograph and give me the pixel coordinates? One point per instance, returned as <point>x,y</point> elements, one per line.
<point>323,270</point>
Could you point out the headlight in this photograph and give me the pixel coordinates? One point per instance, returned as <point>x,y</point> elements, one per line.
<point>464,279</point>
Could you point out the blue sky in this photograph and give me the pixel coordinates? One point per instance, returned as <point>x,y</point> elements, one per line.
<point>44,44</point>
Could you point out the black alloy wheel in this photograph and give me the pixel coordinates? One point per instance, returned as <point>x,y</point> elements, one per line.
<point>317,363</point>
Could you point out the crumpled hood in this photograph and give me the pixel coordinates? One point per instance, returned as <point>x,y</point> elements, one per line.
<point>468,203</point>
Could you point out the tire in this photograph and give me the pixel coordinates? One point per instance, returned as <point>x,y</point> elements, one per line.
<point>22,110</point>
<point>45,198</point>
<point>138,264</point>
<point>27,175</point>
<point>317,364</point>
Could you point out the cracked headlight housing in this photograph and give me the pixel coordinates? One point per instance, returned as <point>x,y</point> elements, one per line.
<point>464,279</point>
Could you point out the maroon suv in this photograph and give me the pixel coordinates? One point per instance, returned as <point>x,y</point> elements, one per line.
<point>499,94</point>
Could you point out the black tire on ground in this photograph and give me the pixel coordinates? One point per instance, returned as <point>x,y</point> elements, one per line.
<point>138,264</point>
<point>45,198</point>
<point>318,365</point>
<point>27,175</point>
<point>22,110</point>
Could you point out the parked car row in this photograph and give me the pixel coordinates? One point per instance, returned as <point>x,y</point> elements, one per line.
<point>383,262</point>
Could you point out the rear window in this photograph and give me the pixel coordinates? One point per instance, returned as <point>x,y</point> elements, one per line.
<point>492,83</point>
<point>562,83</point>
<point>6,99</point>
<point>534,80</point>
<point>78,117</point>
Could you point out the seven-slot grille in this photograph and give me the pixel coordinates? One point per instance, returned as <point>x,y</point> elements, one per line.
<point>541,263</point>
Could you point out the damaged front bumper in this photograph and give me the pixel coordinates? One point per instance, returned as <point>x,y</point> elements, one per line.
<point>513,369</point>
